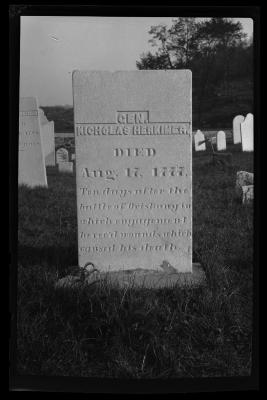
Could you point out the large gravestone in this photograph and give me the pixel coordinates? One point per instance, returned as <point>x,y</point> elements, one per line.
<point>237,128</point>
<point>31,169</point>
<point>133,148</point>
<point>247,133</point>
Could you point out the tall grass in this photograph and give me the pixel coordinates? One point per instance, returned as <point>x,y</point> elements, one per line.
<point>105,331</point>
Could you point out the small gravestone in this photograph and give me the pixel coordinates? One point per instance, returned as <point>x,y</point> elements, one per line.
<point>247,133</point>
<point>65,166</point>
<point>213,140</point>
<point>198,138</point>
<point>31,169</point>
<point>221,141</point>
<point>62,155</point>
<point>237,128</point>
<point>134,173</point>
<point>73,156</point>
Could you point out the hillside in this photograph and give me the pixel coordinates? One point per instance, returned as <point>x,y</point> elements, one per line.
<point>217,113</point>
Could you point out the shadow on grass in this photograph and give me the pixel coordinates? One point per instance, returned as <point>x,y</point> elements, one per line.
<point>59,256</point>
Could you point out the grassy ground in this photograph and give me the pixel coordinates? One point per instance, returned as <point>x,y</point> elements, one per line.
<point>102,331</point>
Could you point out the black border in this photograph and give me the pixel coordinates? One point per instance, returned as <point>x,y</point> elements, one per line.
<point>90,385</point>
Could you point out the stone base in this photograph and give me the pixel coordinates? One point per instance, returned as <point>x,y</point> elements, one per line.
<point>138,278</point>
<point>155,279</point>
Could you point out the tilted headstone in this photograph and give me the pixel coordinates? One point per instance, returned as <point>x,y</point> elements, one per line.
<point>221,141</point>
<point>66,166</point>
<point>32,170</point>
<point>199,137</point>
<point>237,128</point>
<point>62,155</point>
<point>133,148</point>
<point>247,133</point>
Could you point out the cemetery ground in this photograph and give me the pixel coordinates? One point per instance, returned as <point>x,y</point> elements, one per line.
<point>103,331</point>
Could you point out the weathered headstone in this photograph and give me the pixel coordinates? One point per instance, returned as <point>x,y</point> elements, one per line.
<point>62,155</point>
<point>32,170</point>
<point>247,194</point>
<point>48,139</point>
<point>237,128</point>
<point>221,141</point>
<point>247,133</point>
<point>243,178</point>
<point>134,170</point>
<point>199,137</point>
<point>66,166</point>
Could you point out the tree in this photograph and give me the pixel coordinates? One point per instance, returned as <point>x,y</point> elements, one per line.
<point>216,39</point>
<point>206,47</point>
<point>175,46</point>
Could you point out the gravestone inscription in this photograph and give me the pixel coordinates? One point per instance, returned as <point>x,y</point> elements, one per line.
<point>62,155</point>
<point>31,169</point>
<point>133,146</point>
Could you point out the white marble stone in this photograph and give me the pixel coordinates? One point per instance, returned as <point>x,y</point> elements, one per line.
<point>221,141</point>
<point>133,147</point>
<point>42,116</point>
<point>31,168</point>
<point>199,136</point>
<point>247,133</point>
<point>237,128</point>
<point>48,138</point>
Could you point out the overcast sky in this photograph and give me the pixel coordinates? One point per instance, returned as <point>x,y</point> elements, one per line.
<point>52,47</point>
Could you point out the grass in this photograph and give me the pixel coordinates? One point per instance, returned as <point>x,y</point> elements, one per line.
<point>104,331</point>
